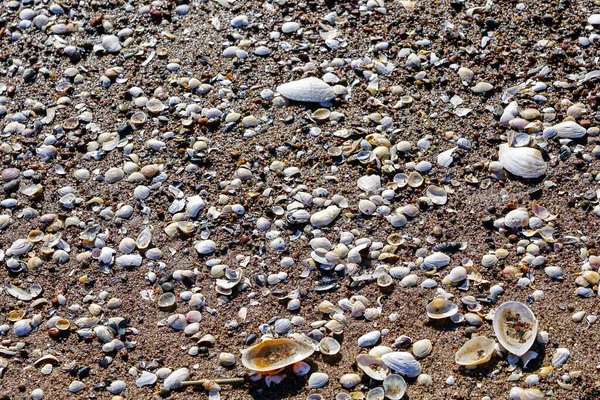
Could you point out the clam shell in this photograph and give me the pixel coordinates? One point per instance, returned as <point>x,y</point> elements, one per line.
<point>560,356</point>
<point>329,346</point>
<point>146,379</point>
<point>568,130</point>
<point>435,260</point>
<point>376,393</point>
<point>22,327</point>
<point>19,247</point>
<point>522,161</point>
<point>373,366</point>
<point>478,350</point>
<point>324,217</point>
<point>173,381</point>
<point>369,339</point>
<point>422,348</point>
<point>441,308</point>
<point>445,158</point>
<point>195,204</point>
<point>318,380</point>
<point>129,260</point>
<point>516,219</point>
<point>273,354</point>
<point>437,195</point>
<point>205,247</point>
<point>369,183</point>
<point>348,381</point>
<point>402,362</point>
<point>509,315</point>
<point>394,387</point>
<point>309,90</point>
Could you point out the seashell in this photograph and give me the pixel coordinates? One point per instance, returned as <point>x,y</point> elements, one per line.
<point>561,355</point>
<point>456,276</point>
<point>129,260</point>
<point>301,368</point>
<point>369,183</point>
<point>324,217</point>
<point>522,161</point>
<point>166,300</point>
<point>531,394</point>
<point>144,238</point>
<point>273,354</point>
<point>435,260</point>
<point>516,219</point>
<point>18,292</point>
<point>309,90</point>
<point>173,381</point>
<point>114,175</point>
<point>227,359</point>
<point>384,280</point>
<point>146,379</point>
<point>205,247</point>
<point>567,130</point>
<point>5,221</point>
<point>19,247</point>
<point>402,362</point>
<point>23,327</point>
<point>282,326</point>
<point>515,327</point>
<point>415,179</point>
<point>465,74</point>
<point>116,387</point>
<point>376,393</point>
<point>478,350</point>
<point>369,339</point>
<point>62,324</point>
<point>378,351</point>
<point>177,321</point>
<point>318,380</point>
<point>445,158</point>
<point>373,366</point>
<point>9,174</point>
<point>394,387</point>
<point>76,386</point>
<point>195,204</point>
<point>16,315</point>
<point>441,308</point>
<point>437,195</point>
<point>329,346</point>
<point>348,381</point>
<point>553,272</point>
<point>482,87</point>
<point>422,348</point>
<point>367,207</point>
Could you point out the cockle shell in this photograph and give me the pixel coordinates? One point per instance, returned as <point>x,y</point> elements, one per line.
<point>273,354</point>
<point>476,351</point>
<point>515,327</point>
<point>518,218</point>
<point>309,90</point>
<point>522,161</point>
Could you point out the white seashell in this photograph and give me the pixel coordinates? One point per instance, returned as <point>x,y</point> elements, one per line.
<point>324,217</point>
<point>530,394</point>
<point>18,292</point>
<point>329,346</point>
<point>372,366</point>
<point>369,339</point>
<point>437,195</point>
<point>205,247</point>
<point>402,362</point>
<point>377,393</point>
<point>445,158</point>
<point>478,350</point>
<point>129,260</point>
<point>367,207</point>
<point>422,348</point>
<point>435,260</point>
<point>273,354</point>
<point>369,183</point>
<point>560,356</point>
<point>76,387</point>
<point>116,387</point>
<point>522,161</point>
<point>482,87</point>
<point>348,381</point>
<point>516,219</point>
<point>19,247</point>
<point>144,238</point>
<point>22,327</point>
<point>310,90</point>
<point>568,130</point>
<point>505,318</point>
<point>318,380</point>
<point>441,308</point>
<point>394,387</point>
<point>173,381</point>
<point>177,321</point>
<point>146,379</point>
<point>195,204</point>
<point>554,272</point>
<point>290,27</point>
<point>457,275</point>
<point>510,112</point>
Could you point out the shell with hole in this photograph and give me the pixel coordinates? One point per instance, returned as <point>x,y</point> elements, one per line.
<point>478,350</point>
<point>515,327</point>
<point>272,354</point>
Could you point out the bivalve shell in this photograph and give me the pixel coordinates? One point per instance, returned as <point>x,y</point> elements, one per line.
<point>478,350</point>
<point>318,380</point>
<point>309,90</point>
<point>329,346</point>
<point>273,354</point>
<point>373,366</point>
<point>560,356</point>
<point>369,339</point>
<point>394,387</point>
<point>402,362</point>
<point>522,161</point>
<point>422,348</point>
<point>515,327</point>
<point>441,308</point>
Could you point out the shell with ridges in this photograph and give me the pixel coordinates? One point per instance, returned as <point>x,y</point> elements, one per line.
<point>309,90</point>
<point>522,161</point>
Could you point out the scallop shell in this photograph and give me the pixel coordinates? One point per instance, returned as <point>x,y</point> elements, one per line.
<point>309,90</point>
<point>522,161</point>
<point>478,350</point>
<point>441,308</point>
<point>373,366</point>
<point>394,387</point>
<point>273,354</point>
<point>402,362</point>
<point>511,315</point>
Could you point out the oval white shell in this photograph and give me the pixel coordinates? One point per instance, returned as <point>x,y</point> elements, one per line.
<point>394,387</point>
<point>522,161</point>
<point>310,90</point>
<point>402,362</point>
<point>504,319</point>
<point>274,354</point>
<point>476,351</point>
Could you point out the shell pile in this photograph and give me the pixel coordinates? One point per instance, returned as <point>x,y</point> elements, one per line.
<point>370,199</point>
